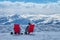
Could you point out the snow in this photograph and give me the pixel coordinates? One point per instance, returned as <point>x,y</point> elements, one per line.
<point>33,36</point>
<point>12,18</point>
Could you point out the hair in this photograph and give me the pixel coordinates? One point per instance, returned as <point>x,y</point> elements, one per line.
<point>29,23</point>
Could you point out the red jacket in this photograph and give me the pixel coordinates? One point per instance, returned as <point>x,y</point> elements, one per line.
<point>31,28</point>
<point>16,28</point>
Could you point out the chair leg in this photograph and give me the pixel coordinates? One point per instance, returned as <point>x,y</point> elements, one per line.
<point>18,32</point>
<point>15,33</point>
<point>11,33</point>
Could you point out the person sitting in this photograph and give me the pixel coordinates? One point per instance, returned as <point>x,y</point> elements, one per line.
<point>29,28</point>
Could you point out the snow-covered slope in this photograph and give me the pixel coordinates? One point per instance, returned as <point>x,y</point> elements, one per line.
<point>34,36</point>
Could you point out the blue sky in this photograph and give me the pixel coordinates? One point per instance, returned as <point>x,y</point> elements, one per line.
<point>34,1</point>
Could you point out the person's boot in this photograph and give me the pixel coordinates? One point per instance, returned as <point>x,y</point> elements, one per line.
<point>28,33</point>
<point>21,33</point>
<point>25,32</point>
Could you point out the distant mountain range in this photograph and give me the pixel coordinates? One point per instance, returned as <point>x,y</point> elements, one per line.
<point>25,19</point>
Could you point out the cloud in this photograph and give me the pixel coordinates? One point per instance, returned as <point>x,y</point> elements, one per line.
<point>9,8</point>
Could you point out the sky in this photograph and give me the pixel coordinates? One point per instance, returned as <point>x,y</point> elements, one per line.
<point>34,1</point>
<point>46,7</point>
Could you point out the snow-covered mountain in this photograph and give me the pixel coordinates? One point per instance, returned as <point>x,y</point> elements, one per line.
<point>13,19</point>
<point>25,19</point>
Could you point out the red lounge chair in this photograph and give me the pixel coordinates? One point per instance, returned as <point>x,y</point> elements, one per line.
<point>16,28</point>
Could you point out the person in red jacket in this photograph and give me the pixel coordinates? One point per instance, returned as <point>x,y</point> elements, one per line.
<point>29,28</point>
<point>17,29</point>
